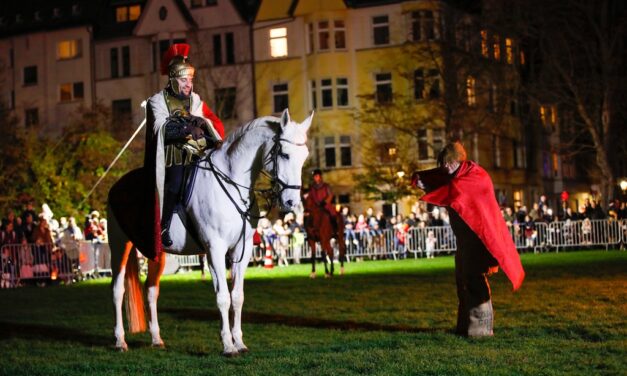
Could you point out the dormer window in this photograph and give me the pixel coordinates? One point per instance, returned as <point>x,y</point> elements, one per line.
<point>127,13</point>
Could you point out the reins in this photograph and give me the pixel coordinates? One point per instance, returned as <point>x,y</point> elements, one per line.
<point>271,195</point>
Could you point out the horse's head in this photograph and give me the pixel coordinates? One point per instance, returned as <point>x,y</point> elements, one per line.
<point>289,154</point>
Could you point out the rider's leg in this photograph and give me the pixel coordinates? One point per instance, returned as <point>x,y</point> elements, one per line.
<point>173,183</point>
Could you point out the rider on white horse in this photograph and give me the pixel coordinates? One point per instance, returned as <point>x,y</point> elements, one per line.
<point>183,127</point>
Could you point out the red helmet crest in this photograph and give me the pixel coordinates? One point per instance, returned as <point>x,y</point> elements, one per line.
<point>178,49</point>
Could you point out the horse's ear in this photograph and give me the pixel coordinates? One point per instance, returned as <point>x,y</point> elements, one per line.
<point>307,123</point>
<point>285,118</point>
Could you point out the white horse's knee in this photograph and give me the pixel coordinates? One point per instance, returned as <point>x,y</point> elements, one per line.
<point>223,299</point>
<point>237,299</point>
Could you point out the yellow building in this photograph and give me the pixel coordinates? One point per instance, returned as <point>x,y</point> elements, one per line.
<point>353,63</point>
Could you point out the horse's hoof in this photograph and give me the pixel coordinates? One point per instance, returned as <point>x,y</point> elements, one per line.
<point>122,348</point>
<point>243,350</point>
<point>342,271</point>
<point>158,345</point>
<point>312,275</point>
<point>230,354</point>
<point>327,275</point>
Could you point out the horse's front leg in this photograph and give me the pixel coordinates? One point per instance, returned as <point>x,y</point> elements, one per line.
<point>237,298</point>
<point>155,269</point>
<point>223,298</point>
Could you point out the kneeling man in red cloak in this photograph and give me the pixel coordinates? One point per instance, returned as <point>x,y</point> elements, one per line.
<point>483,240</point>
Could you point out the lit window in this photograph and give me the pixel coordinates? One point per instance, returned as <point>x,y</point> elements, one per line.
<point>127,13</point>
<point>554,114</point>
<point>71,91</point>
<point>323,35</point>
<point>484,43</point>
<point>543,114</point>
<point>134,11</point>
<point>341,85</point>
<point>340,34</point>
<point>387,152</point>
<point>121,14</point>
<point>509,50</point>
<point>68,49</point>
<point>497,47</point>
<point>278,42</point>
<point>471,95</point>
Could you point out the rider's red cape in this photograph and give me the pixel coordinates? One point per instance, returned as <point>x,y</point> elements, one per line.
<point>471,194</point>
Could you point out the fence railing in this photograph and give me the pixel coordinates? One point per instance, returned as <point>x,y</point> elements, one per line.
<point>33,262</point>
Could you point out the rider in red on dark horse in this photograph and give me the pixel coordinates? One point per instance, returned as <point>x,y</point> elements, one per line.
<point>323,222</point>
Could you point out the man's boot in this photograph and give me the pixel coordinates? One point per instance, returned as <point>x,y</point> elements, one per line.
<point>481,319</point>
<point>169,202</point>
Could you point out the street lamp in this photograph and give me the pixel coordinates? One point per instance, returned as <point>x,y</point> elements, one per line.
<point>401,173</point>
<point>623,185</point>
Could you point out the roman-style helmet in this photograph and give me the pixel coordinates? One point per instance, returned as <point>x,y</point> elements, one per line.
<point>175,64</point>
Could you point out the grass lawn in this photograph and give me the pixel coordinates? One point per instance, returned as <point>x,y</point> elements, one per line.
<point>382,318</point>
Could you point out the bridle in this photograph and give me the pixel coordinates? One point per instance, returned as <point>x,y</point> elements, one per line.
<point>272,195</point>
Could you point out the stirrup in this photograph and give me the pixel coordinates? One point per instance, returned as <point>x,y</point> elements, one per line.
<point>166,241</point>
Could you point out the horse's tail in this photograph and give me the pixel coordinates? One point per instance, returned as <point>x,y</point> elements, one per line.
<point>135,313</point>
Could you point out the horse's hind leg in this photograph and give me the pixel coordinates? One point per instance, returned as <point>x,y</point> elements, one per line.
<point>312,246</point>
<point>155,269</point>
<point>119,259</point>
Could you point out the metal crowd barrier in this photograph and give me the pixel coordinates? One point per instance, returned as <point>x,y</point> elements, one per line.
<point>21,263</point>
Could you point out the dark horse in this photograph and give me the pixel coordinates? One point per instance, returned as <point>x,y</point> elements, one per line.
<point>319,225</point>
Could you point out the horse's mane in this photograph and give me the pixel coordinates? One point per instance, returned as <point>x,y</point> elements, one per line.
<point>233,141</point>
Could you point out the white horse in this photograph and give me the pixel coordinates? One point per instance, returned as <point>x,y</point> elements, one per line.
<point>224,215</point>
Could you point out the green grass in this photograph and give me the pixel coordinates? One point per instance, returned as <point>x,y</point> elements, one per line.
<point>382,318</point>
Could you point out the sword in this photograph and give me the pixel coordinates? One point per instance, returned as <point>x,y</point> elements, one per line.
<point>143,104</point>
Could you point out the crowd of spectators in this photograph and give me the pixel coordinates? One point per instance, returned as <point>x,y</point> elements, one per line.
<point>33,242</point>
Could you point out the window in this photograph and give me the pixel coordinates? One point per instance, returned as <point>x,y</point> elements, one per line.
<point>429,25</point>
<point>416,26</point>
<point>346,159</point>
<point>543,114</point>
<point>554,115</point>
<point>201,3</point>
<point>126,61</point>
<point>496,150</point>
<point>326,91</point>
<point>380,30</point>
<point>384,87</point>
<point>341,86</point>
<point>471,96</point>
<point>127,13</point>
<point>387,152</point>
<point>217,49</point>
<point>68,49</point>
<point>329,151</point>
<point>555,164</point>
<point>314,94</point>
<point>484,43</point>
<point>419,84</point>
<point>497,47</point>
<point>434,84</point>
<point>323,35</point>
<point>493,99</point>
<point>280,97</point>
<point>230,48</point>
<point>519,154</point>
<point>121,114</point>
<point>30,75</point>
<point>340,34</point>
<point>223,52</point>
<point>423,145</point>
<point>438,141</point>
<point>509,50</point>
<point>31,116</point>
<point>114,62</point>
<point>278,42</point>
<point>225,102</point>
<point>69,91</point>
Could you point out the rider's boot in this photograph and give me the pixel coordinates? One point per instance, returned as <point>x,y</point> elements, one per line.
<point>169,202</point>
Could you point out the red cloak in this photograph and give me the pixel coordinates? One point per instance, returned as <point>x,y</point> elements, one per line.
<point>471,194</point>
